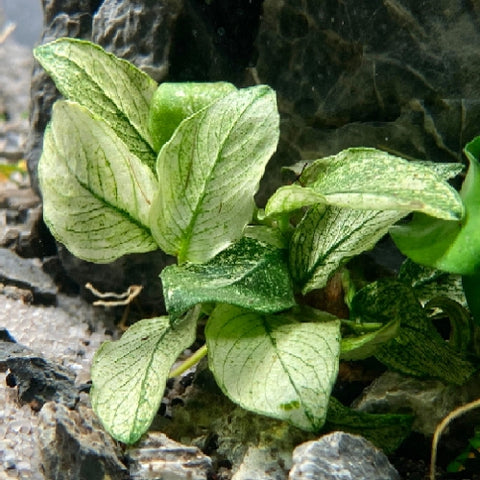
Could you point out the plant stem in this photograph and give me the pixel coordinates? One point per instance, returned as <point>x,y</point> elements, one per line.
<point>189,362</point>
<point>441,427</point>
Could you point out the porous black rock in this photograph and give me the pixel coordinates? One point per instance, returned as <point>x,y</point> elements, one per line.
<point>38,380</point>
<point>341,456</point>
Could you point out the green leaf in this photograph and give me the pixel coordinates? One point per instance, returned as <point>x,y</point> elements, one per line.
<point>275,365</point>
<point>365,178</point>
<point>450,246</point>
<point>471,286</point>
<point>129,375</point>
<point>366,345</point>
<point>418,350</point>
<point>210,170</point>
<point>428,282</point>
<point>328,236</point>
<point>269,235</point>
<point>96,193</point>
<point>173,102</point>
<point>386,431</point>
<point>111,88</point>
<point>248,274</point>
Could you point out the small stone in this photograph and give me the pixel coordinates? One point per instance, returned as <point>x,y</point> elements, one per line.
<point>25,274</point>
<point>341,456</point>
<point>159,457</point>
<point>37,379</point>
<point>74,446</point>
<point>5,336</point>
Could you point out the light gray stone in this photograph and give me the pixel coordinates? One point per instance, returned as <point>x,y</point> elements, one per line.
<point>429,400</point>
<point>341,456</point>
<point>158,457</point>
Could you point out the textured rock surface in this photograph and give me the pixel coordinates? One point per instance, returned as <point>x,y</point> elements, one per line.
<point>429,400</point>
<point>340,456</point>
<point>37,380</point>
<point>138,31</point>
<point>27,275</point>
<point>74,446</point>
<point>156,456</point>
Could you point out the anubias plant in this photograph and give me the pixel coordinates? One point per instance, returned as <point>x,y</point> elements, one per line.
<point>130,166</point>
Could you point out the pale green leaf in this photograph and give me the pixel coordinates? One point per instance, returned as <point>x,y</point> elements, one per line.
<point>269,235</point>
<point>113,89</point>
<point>210,170</point>
<point>173,102</point>
<point>96,193</point>
<point>273,364</point>
<point>248,274</point>
<point>292,197</point>
<point>366,345</point>
<point>418,350</point>
<point>366,178</point>
<point>328,237</point>
<point>129,375</point>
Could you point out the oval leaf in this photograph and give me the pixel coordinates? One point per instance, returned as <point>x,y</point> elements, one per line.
<point>274,365</point>
<point>210,170</point>
<point>327,237</point>
<point>113,89</point>
<point>248,274</point>
<point>96,193</point>
<point>129,375</point>
<point>366,178</point>
<point>447,245</point>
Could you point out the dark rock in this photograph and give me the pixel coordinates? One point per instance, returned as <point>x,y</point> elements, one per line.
<point>157,456</point>
<point>214,41</point>
<point>25,274</point>
<point>341,456</point>
<point>5,336</point>
<point>139,31</point>
<point>74,447</point>
<point>61,18</point>
<point>37,379</point>
<point>384,74</point>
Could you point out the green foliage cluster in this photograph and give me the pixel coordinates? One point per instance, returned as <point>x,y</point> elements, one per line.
<point>129,166</point>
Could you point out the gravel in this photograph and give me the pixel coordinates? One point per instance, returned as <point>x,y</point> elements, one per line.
<point>69,334</point>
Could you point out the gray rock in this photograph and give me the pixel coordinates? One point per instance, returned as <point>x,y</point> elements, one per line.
<point>73,446</point>
<point>61,18</point>
<point>341,456</point>
<point>158,457</point>
<point>137,33</point>
<point>37,379</point>
<point>429,400</point>
<point>26,274</point>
